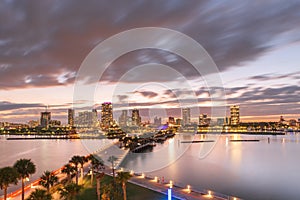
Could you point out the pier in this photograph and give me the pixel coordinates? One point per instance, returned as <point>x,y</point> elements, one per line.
<point>143,147</point>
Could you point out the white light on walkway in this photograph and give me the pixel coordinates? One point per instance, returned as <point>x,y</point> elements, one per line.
<point>169,194</point>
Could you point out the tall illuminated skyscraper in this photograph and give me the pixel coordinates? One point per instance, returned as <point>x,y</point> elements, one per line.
<point>106,115</point>
<point>136,119</point>
<point>186,116</point>
<point>234,115</point>
<point>123,119</point>
<point>204,120</point>
<point>171,120</point>
<point>45,119</point>
<point>71,114</point>
<point>157,121</point>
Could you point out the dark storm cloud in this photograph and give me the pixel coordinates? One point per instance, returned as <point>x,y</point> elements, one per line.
<point>122,98</point>
<point>147,94</point>
<point>269,101</point>
<point>253,101</point>
<point>51,38</point>
<point>272,76</point>
<point>5,105</point>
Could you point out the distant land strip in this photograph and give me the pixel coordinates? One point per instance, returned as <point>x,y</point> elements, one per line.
<point>197,141</point>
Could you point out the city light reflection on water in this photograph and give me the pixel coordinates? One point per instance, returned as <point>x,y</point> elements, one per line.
<point>250,170</point>
<point>268,168</point>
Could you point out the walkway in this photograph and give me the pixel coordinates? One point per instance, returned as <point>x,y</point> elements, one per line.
<point>177,192</point>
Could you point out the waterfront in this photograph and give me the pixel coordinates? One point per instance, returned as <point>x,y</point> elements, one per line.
<point>265,169</point>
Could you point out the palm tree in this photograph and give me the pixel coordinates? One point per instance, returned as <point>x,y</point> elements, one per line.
<point>8,175</point>
<point>39,194</point>
<point>48,180</point>
<point>82,160</point>
<point>107,189</point>
<point>99,176</point>
<point>70,170</point>
<point>76,161</point>
<point>25,168</point>
<point>122,178</point>
<point>112,159</point>
<point>97,162</point>
<point>69,191</point>
<point>97,166</point>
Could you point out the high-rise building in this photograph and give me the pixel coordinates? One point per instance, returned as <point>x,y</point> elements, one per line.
<point>171,120</point>
<point>123,119</point>
<point>45,119</point>
<point>71,114</point>
<point>54,123</point>
<point>94,117</point>
<point>136,119</point>
<point>204,120</point>
<point>32,123</point>
<point>87,119</point>
<point>106,115</point>
<point>157,121</point>
<point>234,115</point>
<point>178,121</point>
<point>186,116</point>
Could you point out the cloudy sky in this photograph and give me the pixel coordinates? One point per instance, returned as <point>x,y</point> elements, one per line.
<point>255,45</point>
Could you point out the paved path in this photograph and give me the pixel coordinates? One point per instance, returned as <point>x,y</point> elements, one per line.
<point>177,192</point>
<point>147,182</point>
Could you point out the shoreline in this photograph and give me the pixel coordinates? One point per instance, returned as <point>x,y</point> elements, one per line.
<point>152,183</point>
<point>67,137</point>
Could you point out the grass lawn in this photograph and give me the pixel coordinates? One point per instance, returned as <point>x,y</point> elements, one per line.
<point>134,192</point>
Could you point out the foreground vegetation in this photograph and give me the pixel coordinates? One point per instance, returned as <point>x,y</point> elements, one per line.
<point>94,185</point>
<point>134,192</point>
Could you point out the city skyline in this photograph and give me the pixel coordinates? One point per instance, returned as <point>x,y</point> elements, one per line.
<point>255,47</point>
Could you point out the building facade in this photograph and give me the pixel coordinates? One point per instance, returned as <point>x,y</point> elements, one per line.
<point>106,115</point>
<point>123,119</point>
<point>71,114</point>
<point>234,115</point>
<point>157,121</point>
<point>136,119</point>
<point>186,116</point>
<point>45,119</point>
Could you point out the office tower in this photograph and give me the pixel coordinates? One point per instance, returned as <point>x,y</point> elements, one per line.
<point>157,121</point>
<point>234,115</point>
<point>106,115</point>
<point>227,121</point>
<point>54,123</point>
<point>136,119</point>
<point>71,114</point>
<point>123,119</point>
<point>171,120</point>
<point>178,121</point>
<point>186,116</point>
<point>204,120</point>
<point>32,123</point>
<point>45,119</point>
<point>87,119</point>
<point>94,117</point>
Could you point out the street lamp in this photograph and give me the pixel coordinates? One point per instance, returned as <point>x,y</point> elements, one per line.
<point>188,188</point>
<point>171,184</point>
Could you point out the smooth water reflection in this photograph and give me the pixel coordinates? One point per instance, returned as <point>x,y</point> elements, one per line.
<point>268,169</point>
<point>46,154</point>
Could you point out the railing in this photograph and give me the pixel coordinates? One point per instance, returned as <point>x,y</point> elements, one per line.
<point>186,188</point>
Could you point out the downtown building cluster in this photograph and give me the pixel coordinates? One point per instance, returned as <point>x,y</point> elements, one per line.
<point>129,120</point>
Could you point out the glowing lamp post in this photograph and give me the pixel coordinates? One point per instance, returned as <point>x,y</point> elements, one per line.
<point>171,184</point>
<point>188,188</point>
